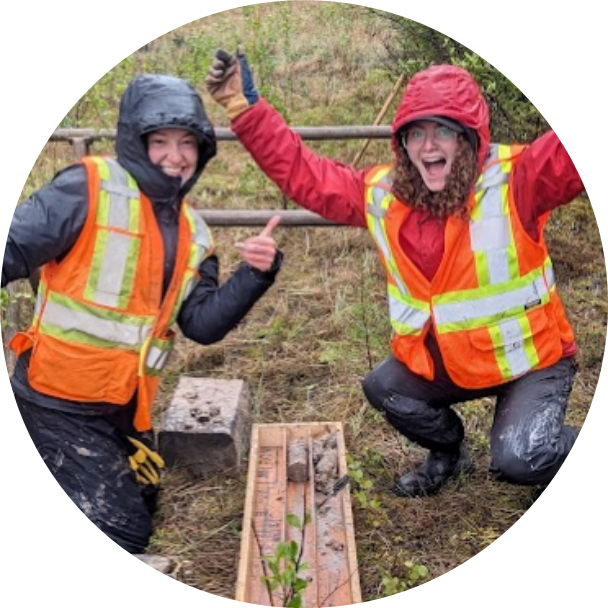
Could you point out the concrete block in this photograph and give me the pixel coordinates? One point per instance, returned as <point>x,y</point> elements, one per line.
<point>207,426</point>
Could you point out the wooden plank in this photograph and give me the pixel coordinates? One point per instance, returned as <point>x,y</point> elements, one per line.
<point>327,542</point>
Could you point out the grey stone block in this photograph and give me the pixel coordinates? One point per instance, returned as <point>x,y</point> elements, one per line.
<point>207,426</point>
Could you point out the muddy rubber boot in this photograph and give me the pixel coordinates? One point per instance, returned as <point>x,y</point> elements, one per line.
<point>434,473</point>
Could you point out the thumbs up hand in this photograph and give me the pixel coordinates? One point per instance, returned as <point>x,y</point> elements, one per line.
<point>260,251</point>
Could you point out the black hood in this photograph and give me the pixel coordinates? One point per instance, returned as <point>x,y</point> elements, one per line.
<point>152,102</point>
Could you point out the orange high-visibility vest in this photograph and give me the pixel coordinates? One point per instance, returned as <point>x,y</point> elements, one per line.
<point>101,328</point>
<point>493,304</point>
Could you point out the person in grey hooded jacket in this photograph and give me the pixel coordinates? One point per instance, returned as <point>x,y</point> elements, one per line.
<point>164,141</point>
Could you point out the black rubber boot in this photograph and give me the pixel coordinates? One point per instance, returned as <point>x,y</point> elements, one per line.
<point>434,473</point>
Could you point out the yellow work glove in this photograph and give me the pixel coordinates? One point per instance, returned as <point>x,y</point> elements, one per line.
<point>230,83</point>
<point>145,462</point>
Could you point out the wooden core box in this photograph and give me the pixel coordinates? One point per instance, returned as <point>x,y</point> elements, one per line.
<point>274,491</point>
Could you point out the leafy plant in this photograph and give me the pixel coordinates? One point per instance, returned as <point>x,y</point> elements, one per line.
<point>363,486</point>
<point>284,568</point>
<point>4,301</point>
<point>414,574</point>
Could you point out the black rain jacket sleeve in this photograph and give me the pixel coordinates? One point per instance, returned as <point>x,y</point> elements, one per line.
<point>212,310</point>
<point>46,226</point>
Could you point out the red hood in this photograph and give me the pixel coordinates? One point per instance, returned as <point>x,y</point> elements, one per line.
<point>445,90</point>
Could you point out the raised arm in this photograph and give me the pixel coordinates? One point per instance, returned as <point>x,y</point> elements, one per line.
<point>324,186</point>
<point>544,178</point>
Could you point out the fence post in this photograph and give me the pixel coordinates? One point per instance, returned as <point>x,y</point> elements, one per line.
<point>80,146</point>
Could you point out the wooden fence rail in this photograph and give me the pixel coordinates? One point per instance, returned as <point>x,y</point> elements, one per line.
<point>82,139</point>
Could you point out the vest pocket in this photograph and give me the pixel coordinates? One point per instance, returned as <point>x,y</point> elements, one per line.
<point>499,352</point>
<point>79,372</point>
<point>509,333</point>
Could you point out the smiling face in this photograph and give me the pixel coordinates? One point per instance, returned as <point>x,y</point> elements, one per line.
<point>432,148</point>
<point>174,152</point>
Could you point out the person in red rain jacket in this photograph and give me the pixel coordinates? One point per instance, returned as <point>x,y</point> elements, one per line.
<point>459,225</point>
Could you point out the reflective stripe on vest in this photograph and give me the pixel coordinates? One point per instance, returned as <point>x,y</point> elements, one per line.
<point>200,248</point>
<point>74,321</point>
<point>490,224</point>
<point>117,245</point>
<point>408,315</point>
<point>157,353</point>
<point>157,350</point>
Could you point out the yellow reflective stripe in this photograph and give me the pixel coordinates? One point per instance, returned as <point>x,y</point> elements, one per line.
<point>103,202</point>
<point>514,347</point>
<point>154,355</point>
<point>490,230</point>
<point>200,248</point>
<point>377,229</point>
<point>202,241</point>
<point>76,337</point>
<point>118,205</point>
<point>185,289</point>
<point>498,172</point>
<point>116,251</point>
<point>39,301</point>
<point>115,265</point>
<point>122,191</point>
<point>378,202</point>
<point>505,154</point>
<point>408,315</point>
<point>75,321</point>
<point>549,273</point>
<point>474,308</point>
<point>156,358</point>
<point>188,284</point>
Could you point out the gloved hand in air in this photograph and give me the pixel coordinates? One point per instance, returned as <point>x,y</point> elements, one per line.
<point>230,83</point>
<point>145,462</point>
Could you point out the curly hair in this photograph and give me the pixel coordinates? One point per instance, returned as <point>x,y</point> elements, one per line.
<point>409,187</point>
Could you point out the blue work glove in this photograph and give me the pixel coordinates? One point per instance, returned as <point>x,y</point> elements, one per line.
<point>249,89</point>
<point>230,83</point>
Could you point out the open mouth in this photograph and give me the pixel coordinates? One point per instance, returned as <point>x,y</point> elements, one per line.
<point>435,166</point>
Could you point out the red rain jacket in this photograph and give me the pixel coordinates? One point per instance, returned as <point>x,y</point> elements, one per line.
<point>543,179</point>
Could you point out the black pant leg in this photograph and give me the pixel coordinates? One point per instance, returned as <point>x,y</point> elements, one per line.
<point>416,407</point>
<point>529,439</point>
<point>89,460</point>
